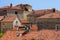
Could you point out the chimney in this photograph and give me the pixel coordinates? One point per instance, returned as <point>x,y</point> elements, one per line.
<point>11,5</point>
<point>53,10</point>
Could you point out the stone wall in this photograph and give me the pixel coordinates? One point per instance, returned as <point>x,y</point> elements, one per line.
<point>48,24</point>
<point>3,12</point>
<point>6,26</point>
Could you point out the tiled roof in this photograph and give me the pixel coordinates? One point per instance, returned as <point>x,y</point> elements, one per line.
<point>44,11</point>
<point>24,21</point>
<point>11,35</point>
<point>51,15</point>
<point>34,27</point>
<point>39,11</point>
<point>1,17</point>
<point>29,36</point>
<point>42,35</point>
<point>9,19</point>
<point>12,7</point>
<point>37,35</point>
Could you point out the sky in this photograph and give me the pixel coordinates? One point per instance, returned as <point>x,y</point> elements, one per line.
<point>36,4</point>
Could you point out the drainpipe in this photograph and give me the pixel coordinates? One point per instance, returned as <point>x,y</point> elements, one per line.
<point>56,28</point>
<point>31,24</point>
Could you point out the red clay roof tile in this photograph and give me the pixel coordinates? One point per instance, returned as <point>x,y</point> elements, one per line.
<point>13,7</point>
<point>1,17</point>
<point>9,19</point>
<point>39,11</point>
<point>41,35</point>
<point>34,27</point>
<point>11,35</point>
<point>24,21</point>
<point>51,15</point>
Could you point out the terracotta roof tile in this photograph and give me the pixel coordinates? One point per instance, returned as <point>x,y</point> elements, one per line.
<point>1,17</point>
<point>13,7</point>
<point>39,11</point>
<point>51,15</point>
<point>11,35</point>
<point>9,19</point>
<point>41,35</point>
<point>44,11</point>
<point>34,27</point>
<point>24,21</point>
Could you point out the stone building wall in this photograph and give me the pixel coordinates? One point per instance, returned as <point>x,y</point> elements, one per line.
<point>3,12</point>
<point>48,24</point>
<point>6,26</point>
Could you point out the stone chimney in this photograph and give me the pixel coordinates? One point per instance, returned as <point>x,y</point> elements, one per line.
<point>53,10</point>
<point>11,5</point>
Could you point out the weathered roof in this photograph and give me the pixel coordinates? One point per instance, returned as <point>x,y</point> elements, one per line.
<point>39,11</point>
<point>9,19</point>
<point>11,7</point>
<point>1,17</point>
<point>51,15</point>
<point>42,35</point>
<point>24,21</point>
<point>37,35</point>
<point>34,27</point>
<point>44,11</point>
<point>11,35</point>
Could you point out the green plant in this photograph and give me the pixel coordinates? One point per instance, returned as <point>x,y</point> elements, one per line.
<point>1,34</point>
<point>22,28</point>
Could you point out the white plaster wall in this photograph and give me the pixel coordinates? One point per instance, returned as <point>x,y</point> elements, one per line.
<point>29,8</point>
<point>14,22</point>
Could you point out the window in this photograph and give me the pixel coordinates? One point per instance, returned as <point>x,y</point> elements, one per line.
<point>16,22</point>
<point>26,9</point>
<point>16,12</point>
<point>57,27</point>
<point>10,28</point>
<point>3,30</point>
